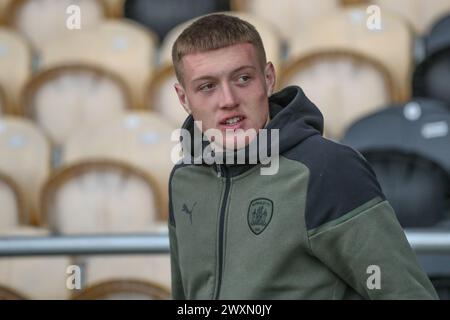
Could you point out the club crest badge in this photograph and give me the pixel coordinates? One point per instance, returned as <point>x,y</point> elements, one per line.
<point>259,214</point>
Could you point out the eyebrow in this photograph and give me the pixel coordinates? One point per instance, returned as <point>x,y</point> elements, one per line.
<point>232,72</point>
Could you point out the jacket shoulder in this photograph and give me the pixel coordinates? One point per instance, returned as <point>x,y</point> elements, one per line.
<point>340,180</point>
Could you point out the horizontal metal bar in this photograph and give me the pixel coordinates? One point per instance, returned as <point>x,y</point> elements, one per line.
<point>429,242</point>
<point>84,245</point>
<point>423,242</point>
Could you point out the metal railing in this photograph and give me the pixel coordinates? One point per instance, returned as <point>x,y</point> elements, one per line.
<point>422,241</point>
<point>429,242</point>
<point>84,245</point>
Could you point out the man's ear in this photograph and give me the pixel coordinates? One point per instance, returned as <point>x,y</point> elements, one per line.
<point>182,97</point>
<point>270,76</point>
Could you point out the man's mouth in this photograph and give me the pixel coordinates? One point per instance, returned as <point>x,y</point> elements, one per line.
<point>232,122</point>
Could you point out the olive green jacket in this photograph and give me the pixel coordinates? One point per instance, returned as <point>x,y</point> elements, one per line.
<point>320,228</point>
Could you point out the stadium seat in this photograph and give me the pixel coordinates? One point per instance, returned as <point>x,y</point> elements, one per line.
<point>12,203</point>
<point>391,46</point>
<point>10,294</point>
<point>162,15</point>
<point>289,16</point>
<point>15,65</point>
<point>432,75</point>
<point>25,158</point>
<point>45,21</point>
<point>3,11</point>
<point>344,85</point>
<point>120,46</point>
<point>107,197</point>
<point>100,196</point>
<point>442,286</point>
<point>3,102</point>
<point>115,7</point>
<point>11,199</point>
<point>124,290</point>
<point>420,14</point>
<point>163,99</point>
<point>125,277</point>
<point>63,98</point>
<point>438,38</point>
<point>42,277</point>
<point>140,138</point>
<point>408,147</point>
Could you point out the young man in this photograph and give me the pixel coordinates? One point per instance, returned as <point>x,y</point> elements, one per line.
<point>320,228</point>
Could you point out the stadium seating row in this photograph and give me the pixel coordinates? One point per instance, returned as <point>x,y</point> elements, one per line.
<point>87,116</point>
<point>161,16</point>
<point>127,51</point>
<point>94,196</point>
<point>345,78</point>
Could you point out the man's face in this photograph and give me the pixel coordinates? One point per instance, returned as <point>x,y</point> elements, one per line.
<point>227,89</point>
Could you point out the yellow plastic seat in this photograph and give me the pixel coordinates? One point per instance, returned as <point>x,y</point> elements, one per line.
<point>3,10</point>
<point>347,29</point>
<point>10,294</point>
<point>115,7</point>
<point>120,46</point>
<point>25,158</point>
<point>162,97</point>
<point>140,138</point>
<point>61,99</point>
<point>11,199</point>
<point>3,102</point>
<point>100,196</point>
<point>45,21</point>
<point>420,14</point>
<point>344,85</point>
<point>40,277</point>
<point>123,290</point>
<point>107,197</point>
<point>289,16</point>
<point>15,65</point>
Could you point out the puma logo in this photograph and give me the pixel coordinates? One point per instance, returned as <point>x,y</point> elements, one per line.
<point>186,210</point>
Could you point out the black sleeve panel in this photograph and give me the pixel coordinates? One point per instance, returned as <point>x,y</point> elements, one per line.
<point>340,179</point>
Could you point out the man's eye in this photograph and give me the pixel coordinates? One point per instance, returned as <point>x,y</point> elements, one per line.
<point>206,87</point>
<point>243,79</point>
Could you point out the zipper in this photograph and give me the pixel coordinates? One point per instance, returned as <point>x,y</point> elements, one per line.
<point>219,170</point>
<point>224,173</point>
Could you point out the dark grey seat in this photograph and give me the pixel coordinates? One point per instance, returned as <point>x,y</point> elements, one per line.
<point>162,15</point>
<point>431,77</point>
<point>408,147</point>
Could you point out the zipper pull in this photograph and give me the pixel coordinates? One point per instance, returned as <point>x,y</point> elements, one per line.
<point>219,171</point>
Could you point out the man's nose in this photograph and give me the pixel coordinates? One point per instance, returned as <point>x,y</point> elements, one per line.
<point>228,97</point>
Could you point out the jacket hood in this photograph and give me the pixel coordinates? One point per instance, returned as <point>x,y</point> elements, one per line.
<point>296,117</point>
<point>291,113</point>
